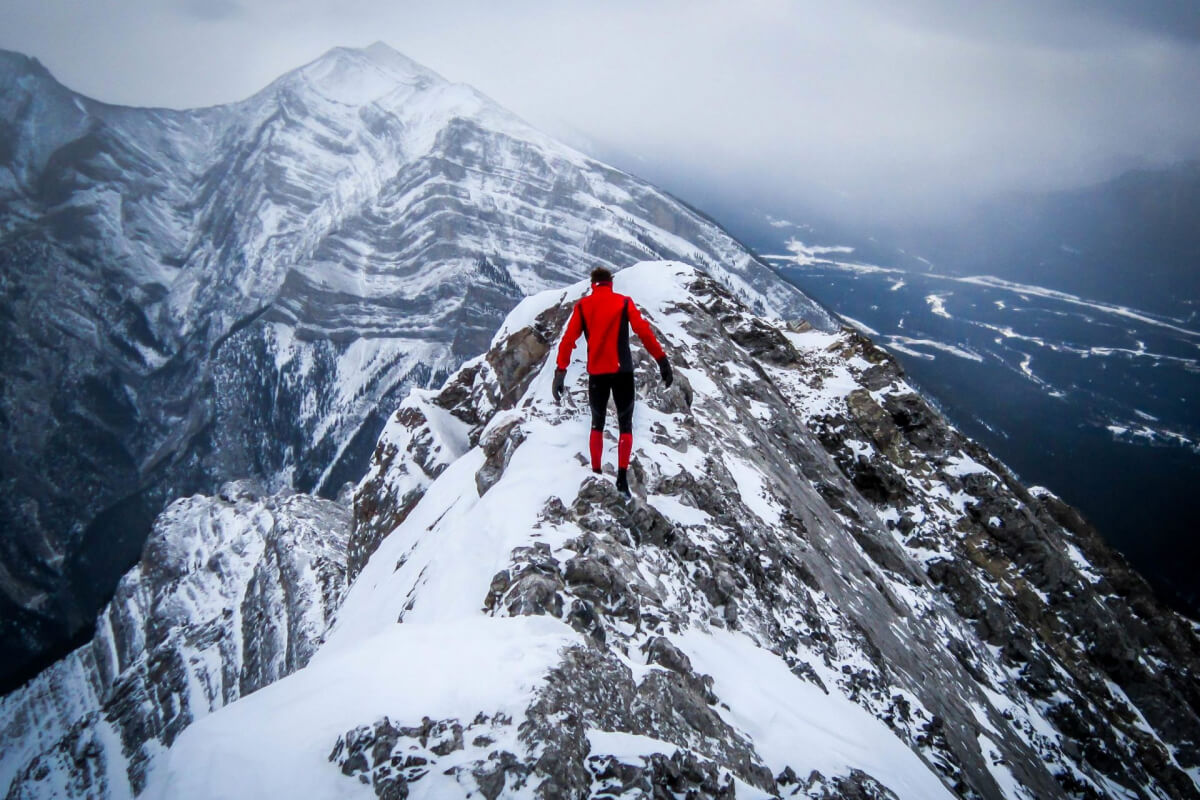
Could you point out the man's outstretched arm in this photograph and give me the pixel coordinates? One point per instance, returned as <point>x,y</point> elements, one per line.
<point>646,334</point>
<point>570,335</point>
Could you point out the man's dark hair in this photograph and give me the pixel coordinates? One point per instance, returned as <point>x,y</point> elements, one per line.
<point>601,275</point>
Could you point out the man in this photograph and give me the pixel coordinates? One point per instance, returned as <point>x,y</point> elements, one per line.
<point>604,318</point>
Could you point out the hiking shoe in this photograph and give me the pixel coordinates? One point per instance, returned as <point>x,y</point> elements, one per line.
<point>623,482</point>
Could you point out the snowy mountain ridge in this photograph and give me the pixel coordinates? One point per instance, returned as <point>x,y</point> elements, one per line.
<point>820,590</point>
<point>250,290</point>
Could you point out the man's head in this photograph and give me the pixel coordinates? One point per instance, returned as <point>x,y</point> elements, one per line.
<point>601,275</point>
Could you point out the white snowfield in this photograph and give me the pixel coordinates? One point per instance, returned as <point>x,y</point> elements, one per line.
<point>276,742</point>
<point>447,658</point>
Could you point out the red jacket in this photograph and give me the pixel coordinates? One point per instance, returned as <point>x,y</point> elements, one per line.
<point>605,317</point>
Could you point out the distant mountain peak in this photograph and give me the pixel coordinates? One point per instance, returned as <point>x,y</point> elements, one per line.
<point>13,64</point>
<point>384,54</point>
<point>357,76</point>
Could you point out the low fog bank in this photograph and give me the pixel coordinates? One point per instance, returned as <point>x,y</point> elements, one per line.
<point>1131,239</point>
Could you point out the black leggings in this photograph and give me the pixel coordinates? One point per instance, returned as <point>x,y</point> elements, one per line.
<point>621,386</point>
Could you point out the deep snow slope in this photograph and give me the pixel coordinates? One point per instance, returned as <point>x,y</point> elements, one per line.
<point>250,290</point>
<point>820,589</point>
<point>232,593</point>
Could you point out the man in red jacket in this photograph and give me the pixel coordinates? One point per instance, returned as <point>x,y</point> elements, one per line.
<point>604,318</point>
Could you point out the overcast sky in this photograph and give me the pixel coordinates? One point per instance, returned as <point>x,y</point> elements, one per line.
<point>874,104</point>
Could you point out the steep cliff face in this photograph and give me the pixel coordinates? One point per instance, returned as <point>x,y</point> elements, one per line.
<point>232,593</point>
<point>820,589</point>
<point>190,297</point>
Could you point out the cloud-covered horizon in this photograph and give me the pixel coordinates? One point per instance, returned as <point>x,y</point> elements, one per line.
<point>883,108</point>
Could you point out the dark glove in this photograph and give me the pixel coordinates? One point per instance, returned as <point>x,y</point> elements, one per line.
<point>664,369</point>
<point>560,375</point>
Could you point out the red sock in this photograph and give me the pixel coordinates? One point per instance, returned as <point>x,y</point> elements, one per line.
<point>596,445</point>
<point>624,449</point>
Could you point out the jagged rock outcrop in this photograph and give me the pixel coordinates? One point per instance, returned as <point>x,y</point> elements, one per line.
<point>251,290</point>
<point>821,589</point>
<point>232,593</point>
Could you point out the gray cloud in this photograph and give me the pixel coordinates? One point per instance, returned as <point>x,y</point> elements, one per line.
<point>869,105</point>
<point>1063,23</point>
<point>210,10</point>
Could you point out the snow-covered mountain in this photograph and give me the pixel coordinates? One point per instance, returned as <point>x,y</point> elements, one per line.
<point>249,291</point>
<point>232,593</point>
<point>821,589</point>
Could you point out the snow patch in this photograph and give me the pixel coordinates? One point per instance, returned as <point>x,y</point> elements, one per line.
<point>790,720</point>
<point>937,305</point>
<point>276,742</point>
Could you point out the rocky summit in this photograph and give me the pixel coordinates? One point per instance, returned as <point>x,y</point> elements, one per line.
<point>819,589</point>
<point>251,290</point>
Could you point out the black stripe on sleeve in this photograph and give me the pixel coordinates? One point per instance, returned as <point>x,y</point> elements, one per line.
<point>624,357</point>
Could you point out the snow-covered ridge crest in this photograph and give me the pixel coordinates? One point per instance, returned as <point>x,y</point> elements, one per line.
<point>820,590</point>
